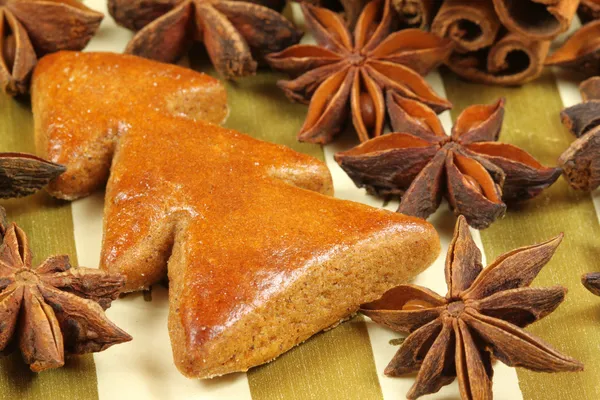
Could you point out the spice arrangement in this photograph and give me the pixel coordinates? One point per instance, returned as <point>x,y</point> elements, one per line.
<point>258,255</point>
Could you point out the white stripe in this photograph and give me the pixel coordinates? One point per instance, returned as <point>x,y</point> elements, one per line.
<point>143,368</point>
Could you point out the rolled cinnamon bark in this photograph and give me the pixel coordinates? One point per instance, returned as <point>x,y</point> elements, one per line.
<point>536,19</point>
<point>512,60</point>
<point>471,24</point>
<point>416,13</point>
<point>502,42</point>
<point>589,10</point>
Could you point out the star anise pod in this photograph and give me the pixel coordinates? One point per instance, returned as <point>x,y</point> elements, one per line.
<point>346,72</point>
<point>235,33</point>
<point>30,29</point>
<point>24,174</point>
<point>469,168</point>
<point>581,52</point>
<point>481,318</point>
<point>53,309</point>
<point>581,161</point>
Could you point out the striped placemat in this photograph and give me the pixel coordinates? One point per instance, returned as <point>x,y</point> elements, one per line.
<point>346,362</point>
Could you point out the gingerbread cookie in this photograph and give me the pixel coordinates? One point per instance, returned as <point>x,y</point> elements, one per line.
<point>258,257</point>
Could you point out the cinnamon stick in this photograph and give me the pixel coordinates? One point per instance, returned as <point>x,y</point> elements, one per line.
<point>486,51</point>
<point>512,60</point>
<point>416,13</point>
<point>471,24</point>
<point>589,10</point>
<point>536,19</point>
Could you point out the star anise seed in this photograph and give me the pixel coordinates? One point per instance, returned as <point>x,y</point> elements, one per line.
<point>469,168</point>
<point>349,73</point>
<point>24,174</point>
<point>235,33</point>
<point>53,309</point>
<point>480,318</point>
<point>30,29</point>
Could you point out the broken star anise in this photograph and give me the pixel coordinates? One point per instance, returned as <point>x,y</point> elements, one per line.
<point>469,168</point>
<point>53,309</point>
<point>29,29</point>
<point>350,73</point>
<point>480,318</point>
<point>24,174</point>
<point>581,161</point>
<point>581,52</point>
<point>234,32</point>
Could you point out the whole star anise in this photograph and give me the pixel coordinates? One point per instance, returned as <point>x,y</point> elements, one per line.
<point>581,52</point>
<point>53,309</point>
<point>234,32</point>
<point>345,72</point>
<point>29,29</point>
<point>480,318</point>
<point>469,168</point>
<point>24,174</point>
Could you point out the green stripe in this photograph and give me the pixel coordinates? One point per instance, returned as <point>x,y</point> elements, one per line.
<point>49,226</point>
<point>338,364</point>
<point>532,123</point>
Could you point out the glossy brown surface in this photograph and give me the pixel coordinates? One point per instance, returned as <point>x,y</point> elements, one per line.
<point>78,123</point>
<point>259,259</point>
